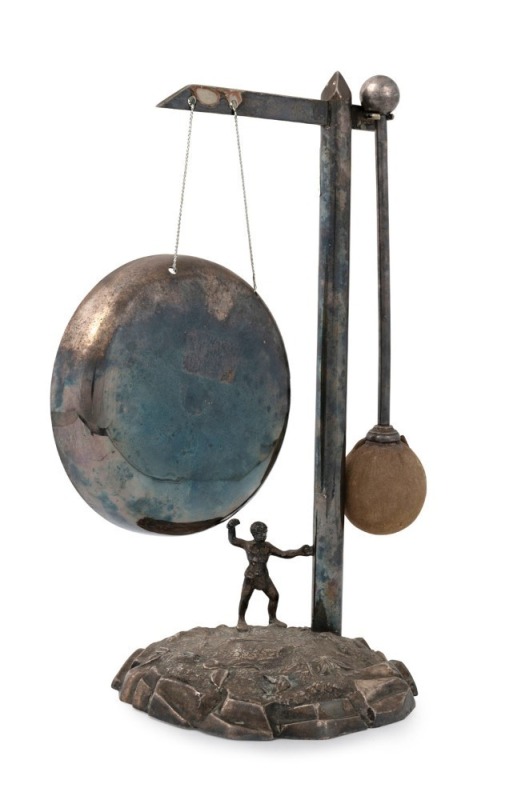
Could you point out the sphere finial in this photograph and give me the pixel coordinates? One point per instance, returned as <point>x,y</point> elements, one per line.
<point>379,95</point>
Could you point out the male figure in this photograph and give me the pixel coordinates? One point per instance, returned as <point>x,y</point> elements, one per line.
<point>256,575</point>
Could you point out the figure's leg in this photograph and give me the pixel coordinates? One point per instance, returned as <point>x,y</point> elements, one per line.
<point>245,597</point>
<point>273,595</point>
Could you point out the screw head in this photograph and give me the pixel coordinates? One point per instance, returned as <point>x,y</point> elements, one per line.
<point>379,95</point>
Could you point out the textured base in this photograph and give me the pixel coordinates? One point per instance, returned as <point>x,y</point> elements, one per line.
<point>266,683</point>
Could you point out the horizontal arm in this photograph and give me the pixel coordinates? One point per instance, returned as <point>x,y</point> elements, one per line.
<point>216,100</point>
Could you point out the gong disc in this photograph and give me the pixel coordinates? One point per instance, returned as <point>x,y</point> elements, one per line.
<point>170,395</point>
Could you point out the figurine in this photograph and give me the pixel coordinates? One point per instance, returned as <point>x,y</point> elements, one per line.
<point>256,575</point>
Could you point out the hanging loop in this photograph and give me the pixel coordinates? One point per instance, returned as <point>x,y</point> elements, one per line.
<point>192,102</point>
<point>233,106</point>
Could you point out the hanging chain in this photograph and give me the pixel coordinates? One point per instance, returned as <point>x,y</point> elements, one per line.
<point>192,102</point>
<point>233,106</point>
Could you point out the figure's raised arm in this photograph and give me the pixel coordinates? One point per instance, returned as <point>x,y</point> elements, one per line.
<point>305,550</point>
<point>232,536</point>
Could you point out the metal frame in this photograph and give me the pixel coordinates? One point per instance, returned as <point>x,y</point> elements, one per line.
<point>337,117</point>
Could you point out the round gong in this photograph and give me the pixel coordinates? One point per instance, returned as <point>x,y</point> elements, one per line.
<point>170,395</point>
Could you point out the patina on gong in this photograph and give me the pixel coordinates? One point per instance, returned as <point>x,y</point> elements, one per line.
<point>170,395</point>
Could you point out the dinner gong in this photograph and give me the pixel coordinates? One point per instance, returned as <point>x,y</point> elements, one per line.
<point>170,395</point>
<point>170,400</point>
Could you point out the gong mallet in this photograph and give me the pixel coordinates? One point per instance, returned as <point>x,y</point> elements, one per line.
<point>385,481</point>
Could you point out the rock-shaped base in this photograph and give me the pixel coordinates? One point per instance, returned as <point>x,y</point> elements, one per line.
<point>266,683</point>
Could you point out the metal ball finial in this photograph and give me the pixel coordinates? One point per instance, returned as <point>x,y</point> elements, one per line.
<point>379,95</point>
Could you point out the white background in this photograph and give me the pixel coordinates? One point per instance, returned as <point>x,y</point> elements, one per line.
<point>90,179</point>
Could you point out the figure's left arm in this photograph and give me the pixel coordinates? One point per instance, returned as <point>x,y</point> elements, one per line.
<point>305,550</point>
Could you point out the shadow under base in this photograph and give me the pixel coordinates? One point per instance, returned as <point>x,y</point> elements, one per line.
<point>266,683</point>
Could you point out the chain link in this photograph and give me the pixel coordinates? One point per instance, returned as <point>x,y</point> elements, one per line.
<point>233,106</point>
<point>192,102</point>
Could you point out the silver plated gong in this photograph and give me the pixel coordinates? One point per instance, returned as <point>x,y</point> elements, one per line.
<point>170,395</point>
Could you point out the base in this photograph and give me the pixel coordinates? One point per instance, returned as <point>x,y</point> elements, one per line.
<point>266,683</point>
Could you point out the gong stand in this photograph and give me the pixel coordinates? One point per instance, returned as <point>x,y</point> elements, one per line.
<point>339,685</point>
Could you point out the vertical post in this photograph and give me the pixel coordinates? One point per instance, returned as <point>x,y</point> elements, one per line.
<point>335,175</point>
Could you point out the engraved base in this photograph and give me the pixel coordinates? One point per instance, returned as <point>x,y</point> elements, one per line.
<point>266,683</point>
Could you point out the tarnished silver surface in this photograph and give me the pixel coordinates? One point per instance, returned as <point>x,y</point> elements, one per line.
<point>379,94</point>
<point>216,100</point>
<point>332,356</point>
<point>266,683</point>
<point>170,395</point>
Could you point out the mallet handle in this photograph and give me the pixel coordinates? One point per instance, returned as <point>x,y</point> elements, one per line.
<point>384,280</point>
